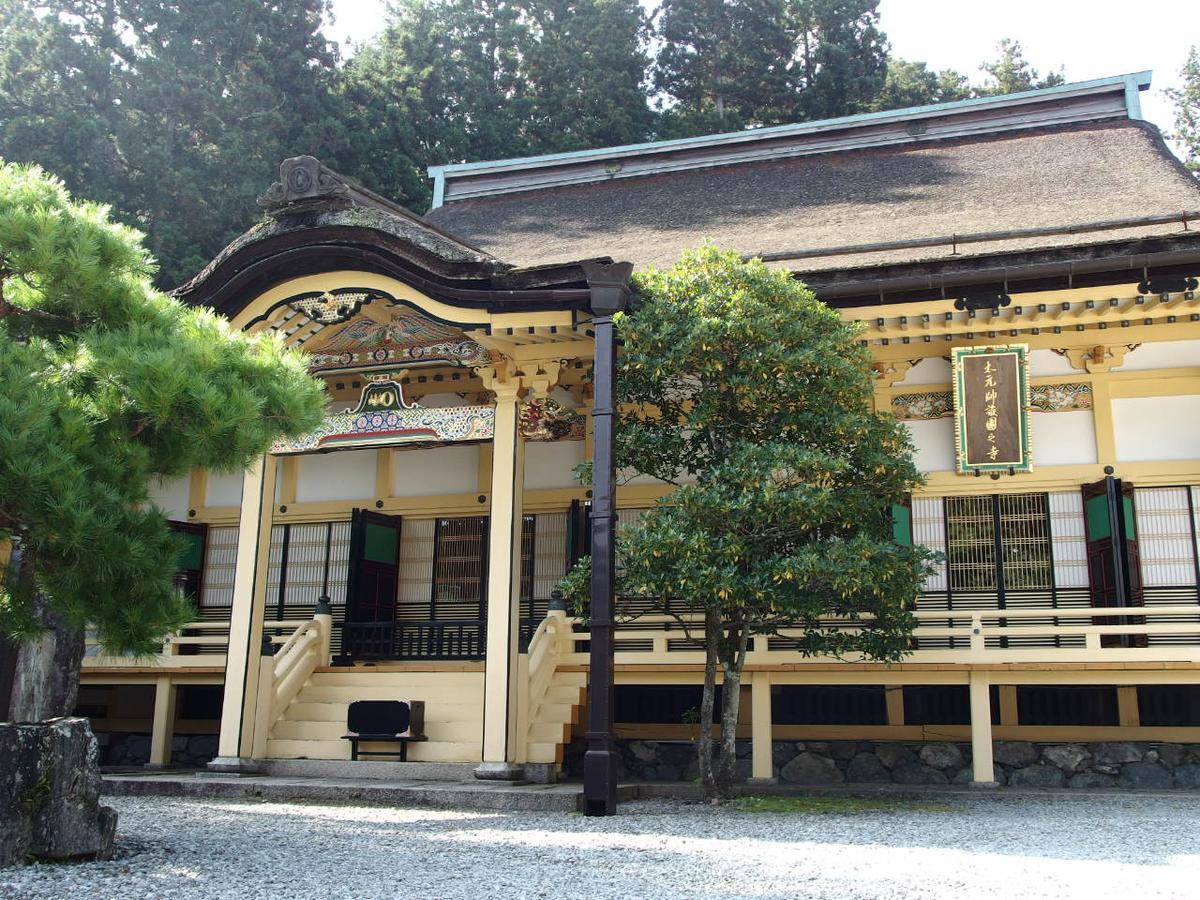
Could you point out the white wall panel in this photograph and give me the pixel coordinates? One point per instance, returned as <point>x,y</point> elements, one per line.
<point>932,370</point>
<point>550,465</point>
<point>1156,428</point>
<point>344,475</point>
<point>171,497</point>
<point>226,489</point>
<point>438,470</point>
<point>1045,363</point>
<point>1161,355</point>
<point>934,440</point>
<point>1063,438</point>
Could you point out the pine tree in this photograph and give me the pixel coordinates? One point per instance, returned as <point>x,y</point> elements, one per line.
<point>910,83</point>
<point>1011,73</point>
<point>106,384</point>
<point>1187,111</point>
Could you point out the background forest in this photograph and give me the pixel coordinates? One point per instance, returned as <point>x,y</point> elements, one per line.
<point>177,112</point>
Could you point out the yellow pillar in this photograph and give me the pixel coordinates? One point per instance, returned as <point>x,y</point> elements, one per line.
<point>500,710</point>
<point>162,731</point>
<point>981,731</point>
<point>236,743</point>
<point>1129,715</point>
<point>762,765</point>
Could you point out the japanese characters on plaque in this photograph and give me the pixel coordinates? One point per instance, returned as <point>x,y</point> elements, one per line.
<point>991,408</point>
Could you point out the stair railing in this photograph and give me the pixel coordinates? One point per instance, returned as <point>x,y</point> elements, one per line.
<point>550,642</point>
<point>298,657</point>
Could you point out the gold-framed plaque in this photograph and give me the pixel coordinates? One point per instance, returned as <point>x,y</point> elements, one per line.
<point>991,409</point>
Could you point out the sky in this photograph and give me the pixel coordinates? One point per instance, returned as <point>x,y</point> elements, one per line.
<point>1085,38</point>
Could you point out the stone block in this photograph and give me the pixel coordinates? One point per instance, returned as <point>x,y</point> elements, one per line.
<point>1067,757</point>
<point>913,772</point>
<point>844,750</point>
<point>1091,780</point>
<point>811,768</point>
<point>1115,753</point>
<point>941,756</point>
<point>1172,755</point>
<point>1145,776</point>
<point>1015,753</point>
<point>1187,776</point>
<point>1037,776</point>
<point>866,767</point>
<point>892,755</point>
<point>50,793</point>
<point>783,752</point>
<point>643,751</point>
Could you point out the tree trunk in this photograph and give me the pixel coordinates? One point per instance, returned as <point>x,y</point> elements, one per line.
<point>712,637</point>
<point>731,696</point>
<point>46,681</point>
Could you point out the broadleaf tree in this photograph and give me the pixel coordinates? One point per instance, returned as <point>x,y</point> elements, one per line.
<point>107,384</point>
<point>753,398</point>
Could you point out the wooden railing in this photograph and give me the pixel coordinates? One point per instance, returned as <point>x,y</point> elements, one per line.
<point>302,652</point>
<point>550,644</point>
<point>966,637</point>
<point>209,648</point>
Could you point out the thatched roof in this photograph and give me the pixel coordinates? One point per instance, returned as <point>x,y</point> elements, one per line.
<point>1070,175</point>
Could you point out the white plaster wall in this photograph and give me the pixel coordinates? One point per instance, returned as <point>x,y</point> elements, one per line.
<point>1161,355</point>
<point>1063,438</point>
<point>225,489</point>
<point>1045,363</point>
<point>1157,428</point>
<point>549,465</point>
<point>171,497</point>
<point>932,370</point>
<point>341,475</point>
<point>437,470</point>
<point>934,440</point>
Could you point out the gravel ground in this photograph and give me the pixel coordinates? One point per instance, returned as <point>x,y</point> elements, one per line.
<point>1029,846</point>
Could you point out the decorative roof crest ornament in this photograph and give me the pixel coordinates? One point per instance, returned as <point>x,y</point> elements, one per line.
<point>331,307</point>
<point>304,185</point>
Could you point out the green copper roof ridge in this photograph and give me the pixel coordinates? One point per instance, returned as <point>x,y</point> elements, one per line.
<point>1133,82</point>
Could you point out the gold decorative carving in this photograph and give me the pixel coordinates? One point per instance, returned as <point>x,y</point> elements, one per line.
<point>887,373</point>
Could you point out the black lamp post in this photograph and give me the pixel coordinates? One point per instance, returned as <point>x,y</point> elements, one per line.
<point>610,294</point>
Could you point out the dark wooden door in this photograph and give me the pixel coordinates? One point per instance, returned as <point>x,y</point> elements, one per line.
<point>374,574</point>
<point>1114,565</point>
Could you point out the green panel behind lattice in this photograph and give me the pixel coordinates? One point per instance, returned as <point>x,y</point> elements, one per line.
<point>1130,530</point>
<point>379,544</point>
<point>902,524</point>
<point>192,557</point>
<point>1097,518</point>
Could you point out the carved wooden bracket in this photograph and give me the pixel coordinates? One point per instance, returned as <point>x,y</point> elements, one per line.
<point>1100,358</point>
<point>889,372</point>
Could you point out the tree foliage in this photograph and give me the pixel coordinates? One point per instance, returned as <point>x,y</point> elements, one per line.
<point>753,398</point>
<point>1187,110</point>
<point>105,385</point>
<point>1011,73</point>
<point>175,112</point>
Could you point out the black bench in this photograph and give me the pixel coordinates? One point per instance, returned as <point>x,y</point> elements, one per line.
<point>384,720</point>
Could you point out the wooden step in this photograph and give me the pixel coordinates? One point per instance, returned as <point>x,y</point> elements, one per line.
<point>454,732</point>
<point>432,751</point>
<point>305,710</point>
<point>549,731</point>
<point>544,752</point>
<point>347,693</point>
<point>557,712</point>
<point>408,680</point>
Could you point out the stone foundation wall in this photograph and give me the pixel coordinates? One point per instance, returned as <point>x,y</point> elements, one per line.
<point>1117,764</point>
<point>133,749</point>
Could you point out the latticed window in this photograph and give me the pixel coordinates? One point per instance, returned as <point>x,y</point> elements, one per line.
<point>999,543</point>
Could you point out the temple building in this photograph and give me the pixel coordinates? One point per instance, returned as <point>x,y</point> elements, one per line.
<point>1025,271</point>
